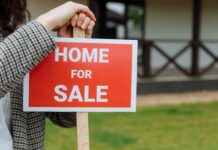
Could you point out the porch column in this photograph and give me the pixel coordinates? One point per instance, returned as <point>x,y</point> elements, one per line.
<point>196,28</point>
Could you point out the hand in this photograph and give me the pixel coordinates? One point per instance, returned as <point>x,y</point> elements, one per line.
<point>80,20</point>
<point>62,15</point>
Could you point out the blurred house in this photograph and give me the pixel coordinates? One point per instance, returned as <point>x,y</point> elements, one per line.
<point>178,44</point>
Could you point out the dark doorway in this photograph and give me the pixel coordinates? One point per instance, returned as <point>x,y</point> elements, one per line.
<point>119,19</point>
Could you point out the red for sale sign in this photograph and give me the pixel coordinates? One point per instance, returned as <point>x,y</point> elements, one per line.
<point>84,75</point>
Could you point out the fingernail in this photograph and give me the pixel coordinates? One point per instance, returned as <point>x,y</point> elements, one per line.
<point>79,23</point>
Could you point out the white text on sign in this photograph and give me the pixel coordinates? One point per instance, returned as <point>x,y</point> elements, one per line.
<point>75,94</point>
<point>87,74</point>
<point>75,55</point>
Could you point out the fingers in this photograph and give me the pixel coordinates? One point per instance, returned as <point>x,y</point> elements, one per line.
<point>74,20</point>
<point>84,9</point>
<point>86,23</point>
<point>83,21</point>
<point>89,30</point>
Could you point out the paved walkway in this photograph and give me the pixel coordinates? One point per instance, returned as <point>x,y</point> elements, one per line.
<point>176,99</point>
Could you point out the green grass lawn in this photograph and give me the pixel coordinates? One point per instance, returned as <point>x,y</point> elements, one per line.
<point>186,127</point>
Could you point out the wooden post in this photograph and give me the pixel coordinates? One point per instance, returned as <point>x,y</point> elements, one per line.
<point>82,118</point>
<point>82,131</point>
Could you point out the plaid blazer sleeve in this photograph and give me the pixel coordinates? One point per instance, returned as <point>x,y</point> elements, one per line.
<point>20,52</point>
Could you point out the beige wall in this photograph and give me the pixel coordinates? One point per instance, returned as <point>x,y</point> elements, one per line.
<point>210,19</point>
<point>168,19</point>
<point>173,19</point>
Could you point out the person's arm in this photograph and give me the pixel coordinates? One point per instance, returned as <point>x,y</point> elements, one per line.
<point>20,52</point>
<point>26,47</point>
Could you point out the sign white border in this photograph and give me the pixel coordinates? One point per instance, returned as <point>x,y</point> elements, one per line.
<point>134,43</point>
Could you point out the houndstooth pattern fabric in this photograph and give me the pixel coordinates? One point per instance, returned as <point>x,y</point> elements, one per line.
<point>19,53</point>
